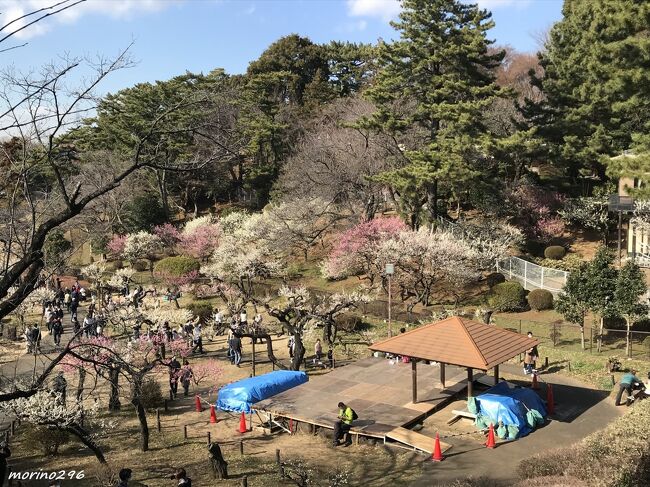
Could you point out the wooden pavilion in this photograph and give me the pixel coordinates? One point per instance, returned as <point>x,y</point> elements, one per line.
<point>460,342</point>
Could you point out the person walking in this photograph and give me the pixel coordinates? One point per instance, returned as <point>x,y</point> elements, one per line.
<point>57,331</point>
<point>291,344</point>
<point>236,350</point>
<point>318,351</point>
<point>197,339</point>
<point>342,426</point>
<point>330,358</point>
<point>60,386</point>
<point>67,299</point>
<point>186,377</point>
<point>174,375</point>
<point>629,382</point>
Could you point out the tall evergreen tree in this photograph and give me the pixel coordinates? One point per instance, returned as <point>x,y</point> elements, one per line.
<point>435,80</point>
<point>596,83</point>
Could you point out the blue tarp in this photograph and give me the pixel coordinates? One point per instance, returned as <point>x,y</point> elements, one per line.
<point>510,406</point>
<point>240,395</point>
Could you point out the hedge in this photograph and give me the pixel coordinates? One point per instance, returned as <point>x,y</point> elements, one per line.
<point>507,296</point>
<point>202,310</point>
<point>176,266</point>
<point>494,279</point>
<point>540,299</point>
<point>555,252</point>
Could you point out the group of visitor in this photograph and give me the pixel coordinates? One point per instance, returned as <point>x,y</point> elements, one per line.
<point>182,374</point>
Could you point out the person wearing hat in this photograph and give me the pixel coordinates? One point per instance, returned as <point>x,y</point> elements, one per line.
<point>629,382</point>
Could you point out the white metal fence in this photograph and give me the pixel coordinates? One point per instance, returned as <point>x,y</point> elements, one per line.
<point>532,276</point>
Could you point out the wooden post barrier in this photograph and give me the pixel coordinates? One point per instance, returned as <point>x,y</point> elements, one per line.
<point>209,438</point>
<point>158,425</point>
<point>278,460</point>
<point>244,482</point>
<point>241,447</point>
<point>13,428</point>
<point>166,406</point>
<point>185,431</point>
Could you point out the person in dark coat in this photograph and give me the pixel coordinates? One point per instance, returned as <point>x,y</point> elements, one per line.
<point>174,374</point>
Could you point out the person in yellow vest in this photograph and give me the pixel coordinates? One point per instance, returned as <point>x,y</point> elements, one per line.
<point>342,426</point>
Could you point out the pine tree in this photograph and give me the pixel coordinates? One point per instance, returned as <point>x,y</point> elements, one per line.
<point>596,83</point>
<point>433,85</point>
<point>630,287</point>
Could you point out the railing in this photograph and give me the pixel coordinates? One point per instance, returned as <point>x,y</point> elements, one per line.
<point>532,276</point>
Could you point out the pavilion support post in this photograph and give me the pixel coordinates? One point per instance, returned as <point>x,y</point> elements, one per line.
<point>414,376</point>
<point>496,375</point>
<point>442,374</point>
<point>470,382</point>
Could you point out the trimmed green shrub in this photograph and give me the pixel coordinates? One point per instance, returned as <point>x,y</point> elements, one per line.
<point>114,265</point>
<point>201,309</point>
<point>507,296</point>
<point>141,265</point>
<point>555,252</point>
<point>176,266</point>
<point>151,394</point>
<point>44,439</point>
<point>494,279</point>
<point>540,299</point>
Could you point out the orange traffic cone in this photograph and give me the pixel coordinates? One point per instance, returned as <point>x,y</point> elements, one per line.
<point>437,452</point>
<point>550,403</point>
<point>490,443</point>
<point>213,414</point>
<point>242,423</point>
<point>534,384</point>
<point>197,400</point>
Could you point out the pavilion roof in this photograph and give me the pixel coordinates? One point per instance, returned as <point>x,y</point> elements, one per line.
<point>458,341</point>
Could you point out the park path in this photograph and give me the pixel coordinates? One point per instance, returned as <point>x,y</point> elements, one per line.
<point>579,411</point>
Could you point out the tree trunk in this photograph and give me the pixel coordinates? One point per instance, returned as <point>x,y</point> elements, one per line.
<point>432,200</point>
<point>114,396</point>
<point>142,414</point>
<point>80,384</point>
<point>600,334</point>
<point>370,208</point>
<point>161,176</point>
<point>86,439</point>
<point>269,346</point>
<point>219,465</point>
<point>628,351</point>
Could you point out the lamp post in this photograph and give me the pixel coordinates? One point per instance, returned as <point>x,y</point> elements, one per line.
<point>390,270</point>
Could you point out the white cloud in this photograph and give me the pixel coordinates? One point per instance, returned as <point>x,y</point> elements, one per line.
<point>494,4</point>
<point>117,9</point>
<point>386,9</point>
<point>250,10</point>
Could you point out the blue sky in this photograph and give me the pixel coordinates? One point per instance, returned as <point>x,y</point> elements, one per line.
<point>172,36</point>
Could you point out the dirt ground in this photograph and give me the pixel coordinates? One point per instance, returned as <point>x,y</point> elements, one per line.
<point>581,411</point>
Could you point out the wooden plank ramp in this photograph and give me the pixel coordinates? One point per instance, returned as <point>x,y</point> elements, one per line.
<point>416,440</point>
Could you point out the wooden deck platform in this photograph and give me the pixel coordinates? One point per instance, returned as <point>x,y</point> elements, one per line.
<point>378,391</point>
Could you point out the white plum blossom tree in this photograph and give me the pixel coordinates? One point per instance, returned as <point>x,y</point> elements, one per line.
<point>142,245</point>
